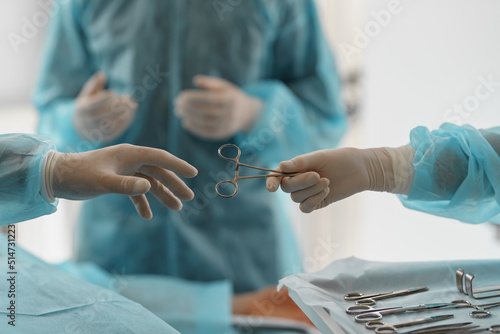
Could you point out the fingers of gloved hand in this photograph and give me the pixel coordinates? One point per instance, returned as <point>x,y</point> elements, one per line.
<point>97,104</point>
<point>157,157</point>
<point>208,118</point>
<point>169,180</point>
<point>301,195</point>
<point>208,132</point>
<point>118,118</point>
<point>163,194</point>
<point>212,83</point>
<point>142,206</point>
<point>96,83</point>
<point>273,183</point>
<point>124,185</point>
<point>310,204</point>
<point>305,162</point>
<point>299,182</point>
<point>201,99</point>
<point>123,106</point>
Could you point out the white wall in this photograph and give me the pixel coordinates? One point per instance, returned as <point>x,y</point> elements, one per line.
<point>25,21</point>
<point>427,59</point>
<point>417,63</point>
<point>22,25</point>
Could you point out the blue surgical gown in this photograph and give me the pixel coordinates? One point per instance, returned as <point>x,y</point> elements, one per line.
<point>37,297</point>
<point>456,173</point>
<point>21,178</point>
<point>272,49</point>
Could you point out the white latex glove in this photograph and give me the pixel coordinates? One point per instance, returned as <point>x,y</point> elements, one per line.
<point>339,173</point>
<point>218,110</point>
<point>122,169</point>
<point>101,115</point>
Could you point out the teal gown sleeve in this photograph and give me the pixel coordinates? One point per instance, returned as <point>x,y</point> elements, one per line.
<point>456,173</point>
<point>21,158</point>
<point>303,110</point>
<point>64,56</point>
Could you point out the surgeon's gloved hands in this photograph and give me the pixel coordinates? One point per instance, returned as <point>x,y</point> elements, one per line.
<point>218,110</point>
<point>101,115</point>
<point>332,175</point>
<point>122,169</point>
<point>268,302</point>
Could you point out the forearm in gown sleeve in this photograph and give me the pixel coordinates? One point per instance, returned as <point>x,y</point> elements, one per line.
<point>21,158</point>
<point>456,173</point>
<point>66,66</point>
<point>302,107</point>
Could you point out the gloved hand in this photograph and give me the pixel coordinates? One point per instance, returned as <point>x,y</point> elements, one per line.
<point>339,173</point>
<point>218,111</point>
<point>101,115</point>
<point>268,302</point>
<point>121,169</point>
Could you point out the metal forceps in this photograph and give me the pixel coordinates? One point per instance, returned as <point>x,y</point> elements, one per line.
<point>492,329</point>
<point>237,176</point>
<point>480,311</point>
<point>365,313</point>
<point>362,299</point>
<point>461,327</point>
<point>383,327</point>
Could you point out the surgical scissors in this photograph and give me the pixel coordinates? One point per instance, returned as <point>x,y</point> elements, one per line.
<point>362,299</point>
<point>379,325</point>
<point>237,176</point>
<point>365,313</point>
<point>492,329</point>
<point>461,327</point>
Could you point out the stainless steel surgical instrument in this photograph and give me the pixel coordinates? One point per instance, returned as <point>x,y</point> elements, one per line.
<point>492,329</point>
<point>237,177</point>
<point>363,299</point>
<point>449,328</point>
<point>365,313</point>
<point>382,327</point>
<point>464,285</point>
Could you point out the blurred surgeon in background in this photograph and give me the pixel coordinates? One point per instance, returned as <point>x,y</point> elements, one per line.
<point>187,76</point>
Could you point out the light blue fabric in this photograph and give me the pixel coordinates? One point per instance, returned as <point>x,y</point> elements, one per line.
<point>456,173</point>
<point>21,159</point>
<point>173,300</point>
<point>272,49</point>
<point>321,295</point>
<point>48,300</point>
<point>176,301</point>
